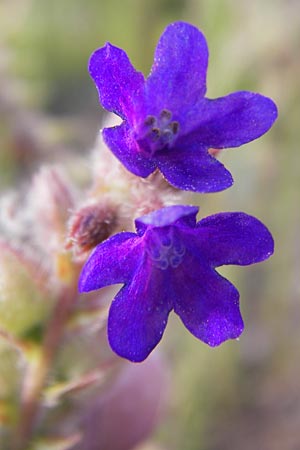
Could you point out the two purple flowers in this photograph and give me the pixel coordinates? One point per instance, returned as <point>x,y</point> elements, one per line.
<point>169,263</point>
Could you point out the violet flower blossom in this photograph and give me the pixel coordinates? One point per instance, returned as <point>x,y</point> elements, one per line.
<point>169,264</point>
<point>167,121</point>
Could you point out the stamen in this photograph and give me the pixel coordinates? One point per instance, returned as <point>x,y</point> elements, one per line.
<point>165,115</point>
<point>155,133</point>
<point>150,121</point>
<point>174,127</point>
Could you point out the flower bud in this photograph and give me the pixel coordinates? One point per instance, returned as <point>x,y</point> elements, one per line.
<point>49,201</point>
<point>91,225</point>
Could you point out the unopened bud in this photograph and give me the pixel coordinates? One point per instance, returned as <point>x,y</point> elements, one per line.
<point>50,200</point>
<point>91,225</point>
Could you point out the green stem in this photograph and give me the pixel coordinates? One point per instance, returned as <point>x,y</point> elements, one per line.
<point>37,371</point>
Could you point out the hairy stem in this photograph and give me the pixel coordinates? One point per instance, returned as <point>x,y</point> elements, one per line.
<point>37,371</point>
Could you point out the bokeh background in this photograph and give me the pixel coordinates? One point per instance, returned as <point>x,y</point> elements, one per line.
<point>244,394</point>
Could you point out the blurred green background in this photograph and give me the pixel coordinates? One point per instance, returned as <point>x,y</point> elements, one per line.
<point>245,394</point>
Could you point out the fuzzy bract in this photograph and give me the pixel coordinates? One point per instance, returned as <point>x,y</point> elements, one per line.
<point>170,264</point>
<point>168,123</point>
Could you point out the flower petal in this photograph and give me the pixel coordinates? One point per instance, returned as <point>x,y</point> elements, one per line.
<point>116,79</point>
<point>207,303</point>
<point>125,148</point>
<point>230,121</point>
<point>191,168</point>
<point>178,74</point>
<point>138,314</point>
<point>113,261</point>
<point>170,215</point>
<point>233,238</point>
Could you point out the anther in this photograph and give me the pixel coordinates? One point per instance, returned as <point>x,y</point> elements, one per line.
<point>150,121</point>
<point>174,127</point>
<point>155,132</point>
<point>165,114</point>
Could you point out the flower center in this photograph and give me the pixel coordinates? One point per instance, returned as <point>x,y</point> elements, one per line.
<point>165,249</point>
<point>157,133</point>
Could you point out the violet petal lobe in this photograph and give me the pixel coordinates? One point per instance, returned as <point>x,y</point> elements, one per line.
<point>192,168</point>
<point>233,238</point>
<point>229,121</point>
<point>125,148</point>
<point>170,215</point>
<point>138,314</point>
<point>178,74</point>
<point>113,261</point>
<point>116,79</point>
<point>207,303</point>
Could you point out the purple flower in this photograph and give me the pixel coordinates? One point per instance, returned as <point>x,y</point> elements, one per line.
<point>167,121</point>
<point>169,263</point>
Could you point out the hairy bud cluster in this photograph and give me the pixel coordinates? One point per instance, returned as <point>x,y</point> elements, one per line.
<point>89,226</point>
